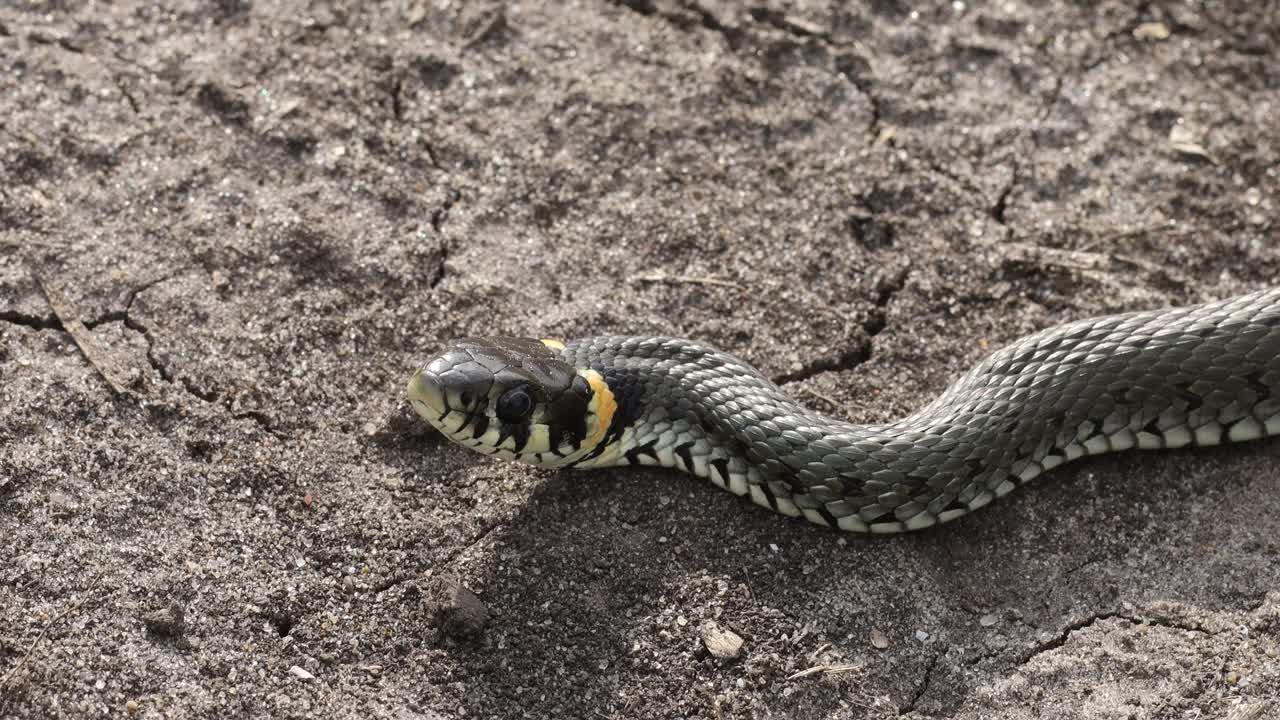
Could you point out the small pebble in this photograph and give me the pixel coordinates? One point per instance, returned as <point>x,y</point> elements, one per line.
<point>301,673</point>
<point>922,636</point>
<point>988,620</point>
<point>169,623</point>
<point>458,612</point>
<point>131,707</point>
<point>720,642</point>
<point>1150,31</point>
<point>878,639</point>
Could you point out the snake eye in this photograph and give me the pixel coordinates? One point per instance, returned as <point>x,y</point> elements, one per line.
<point>515,405</point>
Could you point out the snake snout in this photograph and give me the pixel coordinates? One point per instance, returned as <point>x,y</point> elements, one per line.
<point>427,396</point>
<point>451,383</point>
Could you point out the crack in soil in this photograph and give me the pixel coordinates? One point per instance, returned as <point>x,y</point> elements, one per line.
<point>441,270</point>
<point>48,322</point>
<point>851,358</point>
<point>846,360</point>
<point>397,104</point>
<point>1065,634</point>
<point>1001,205</point>
<point>924,684</point>
<point>123,316</point>
<point>166,374</point>
<point>441,214</point>
<point>431,155</point>
<point>41,39</point>
<point>128,96</point>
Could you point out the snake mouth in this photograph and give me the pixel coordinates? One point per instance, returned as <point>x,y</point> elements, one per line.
<point>427,398</point>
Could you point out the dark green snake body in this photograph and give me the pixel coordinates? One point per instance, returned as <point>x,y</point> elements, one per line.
<point>1199,375</point>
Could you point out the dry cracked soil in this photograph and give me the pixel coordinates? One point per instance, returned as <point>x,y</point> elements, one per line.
<point>230,230</point>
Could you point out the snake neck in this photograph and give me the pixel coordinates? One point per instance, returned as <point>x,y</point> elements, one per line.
<point>1201,375</point>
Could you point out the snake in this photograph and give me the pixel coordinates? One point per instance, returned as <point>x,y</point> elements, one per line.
<point>1197,375</point>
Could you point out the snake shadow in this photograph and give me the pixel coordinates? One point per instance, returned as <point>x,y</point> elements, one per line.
<point>603,579</point>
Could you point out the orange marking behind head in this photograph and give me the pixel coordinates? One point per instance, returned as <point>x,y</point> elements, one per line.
<point>604,405</point>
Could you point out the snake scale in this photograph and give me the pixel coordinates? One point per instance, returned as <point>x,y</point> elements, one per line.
<point>1192,376</point>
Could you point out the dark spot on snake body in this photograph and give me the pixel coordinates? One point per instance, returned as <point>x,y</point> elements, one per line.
<point>1153,427</point>
<point>634,454</point>
<point>521,434</point>
<point>1260,389</point>
<point>768,495</point>
<point>1194,401</point>
<point>481,426</point>
<point>826,515</point>
<point>722,466</point>
<point>975,468</point>
<point>684,451</point>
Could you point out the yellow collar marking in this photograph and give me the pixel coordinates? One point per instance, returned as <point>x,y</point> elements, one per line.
<point>553,343</point>
<point>603,406</point>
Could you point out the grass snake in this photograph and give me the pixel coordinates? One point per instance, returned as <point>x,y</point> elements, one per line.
<point>1192,376</point>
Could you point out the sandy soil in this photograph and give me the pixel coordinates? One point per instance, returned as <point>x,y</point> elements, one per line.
<point>252,220</point>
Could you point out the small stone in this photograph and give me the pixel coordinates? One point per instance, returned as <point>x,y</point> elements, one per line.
<point>1151,31</point>
<point>922,636</point>
<point>169,623</point>
<point>131,707</point>
<point>878,639</point>
<point>301,673</point>
<point>720,642</point>
<point>988,620</point>
<point>457,611</point>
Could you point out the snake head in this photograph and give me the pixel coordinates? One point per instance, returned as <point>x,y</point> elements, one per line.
<point>513,397</point>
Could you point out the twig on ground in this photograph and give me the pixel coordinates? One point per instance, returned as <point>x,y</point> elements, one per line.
<point>829,669</point>
<point>657,276</point>
<point>82,336</point>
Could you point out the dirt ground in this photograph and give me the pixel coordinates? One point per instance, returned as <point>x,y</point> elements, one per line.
<point>229,231</point>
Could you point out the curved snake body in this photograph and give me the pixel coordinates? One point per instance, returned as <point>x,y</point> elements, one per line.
<point>1199,375</point>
